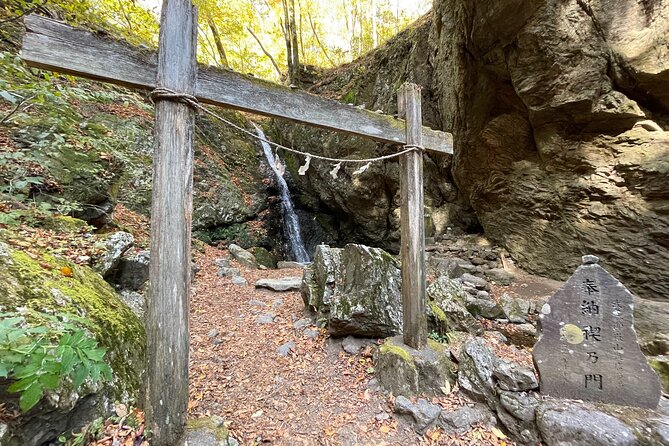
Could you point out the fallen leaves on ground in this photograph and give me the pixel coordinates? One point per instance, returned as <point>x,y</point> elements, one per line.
<point>317,395</point>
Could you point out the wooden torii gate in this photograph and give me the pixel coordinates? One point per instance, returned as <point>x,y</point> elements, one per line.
<point>55,46</point>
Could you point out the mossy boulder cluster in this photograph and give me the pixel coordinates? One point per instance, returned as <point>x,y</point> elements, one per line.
<point>45,284</point>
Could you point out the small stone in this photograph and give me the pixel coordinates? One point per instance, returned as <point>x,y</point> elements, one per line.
<point>265,319</point>
<point>486,308</point>
<point>514,377</point>
<point>515,309</point>
<point>563,422</point>
<point>283,284</point>
<point>476,282</point>
<point>500,276</point>
<point>257,303</point>
<point>457,267</point>
<point>403,370</point>
<point>213,333</point>
<point>228,272</point>
<point>590,260</point>
<point>311,333</point>
<point>242,256</point>
<point>277,303</point>
<point>290,265</point>
<point>519,404</point>
<point>353,345</point>
<point>461,420</point>
<point>302,323</point>
<point>476,261</point>
<point>475,373</point>
<point>483,295</point>
<point>423,413</point>
<point>239,280</point>
<point>222,263</point>
<point>527,329</point>
<point>285,349</point>
<point>383,416</point>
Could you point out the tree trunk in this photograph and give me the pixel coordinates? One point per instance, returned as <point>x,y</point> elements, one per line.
<point>375,33</point>
<point>295,46</point>
<point>219,43</point>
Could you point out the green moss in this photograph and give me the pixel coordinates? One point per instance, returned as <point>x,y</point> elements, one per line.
<point>51,285</point>
<point>350,97</point>
<point>661,366</point>
<point>438,312</point>
<point>388,348</point>
<point>264,257</point>
<point>63,223</point>
<point>212,424</point>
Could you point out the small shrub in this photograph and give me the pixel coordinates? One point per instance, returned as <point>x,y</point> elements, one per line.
<point>41,358</point>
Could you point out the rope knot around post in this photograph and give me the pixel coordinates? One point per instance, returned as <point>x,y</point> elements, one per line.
<point>416,148</point>
<point>161,93</point>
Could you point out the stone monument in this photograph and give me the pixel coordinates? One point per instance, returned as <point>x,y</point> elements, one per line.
<point>588,348</point>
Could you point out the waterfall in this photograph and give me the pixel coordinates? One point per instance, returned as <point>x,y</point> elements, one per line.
<point>291,225</point>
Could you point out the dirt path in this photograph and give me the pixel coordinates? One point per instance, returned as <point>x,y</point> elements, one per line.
<point>316,395</point>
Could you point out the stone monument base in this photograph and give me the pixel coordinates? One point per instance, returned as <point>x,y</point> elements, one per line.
<point>405,371</point>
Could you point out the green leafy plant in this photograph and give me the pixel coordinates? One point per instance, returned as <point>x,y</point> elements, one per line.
<point>45,357</point>
<point>445,338</point>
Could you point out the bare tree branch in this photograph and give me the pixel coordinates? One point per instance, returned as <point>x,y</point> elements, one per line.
<point>276,67</point>
<point>313,29</point>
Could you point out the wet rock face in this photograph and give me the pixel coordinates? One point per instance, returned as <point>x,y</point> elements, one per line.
<point>558,109</point>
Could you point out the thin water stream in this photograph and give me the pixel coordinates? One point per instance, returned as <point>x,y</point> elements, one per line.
<point>291,224</point>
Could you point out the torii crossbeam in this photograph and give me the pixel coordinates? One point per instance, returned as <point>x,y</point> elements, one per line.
<point>55,46</point>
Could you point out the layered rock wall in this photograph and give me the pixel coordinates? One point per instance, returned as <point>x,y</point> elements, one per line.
<point>559,111</point>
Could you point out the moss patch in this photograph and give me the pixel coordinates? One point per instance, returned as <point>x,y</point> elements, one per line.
<point>52,285</point>
<point>438,312</point>
<point>388,348</point>
<point>212,424</point>
<point>661,366</point>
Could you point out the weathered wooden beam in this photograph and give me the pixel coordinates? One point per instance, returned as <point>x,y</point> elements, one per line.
<point>171,215</point>
<point>55,46</point>
<point>412,221</point>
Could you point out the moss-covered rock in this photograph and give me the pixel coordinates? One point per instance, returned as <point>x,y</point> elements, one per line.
<point>357,289</point>
<point>661,366</point>
<point>264,257</point>
<point>209,431</point>
<point>50,285</point>
<point>446,308</point>
<point>403,370</point>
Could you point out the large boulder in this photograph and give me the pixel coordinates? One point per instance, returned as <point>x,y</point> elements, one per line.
<point>112,247</point>
<point>574,423</point>
<point>46,289</point>
<point>355,291</point>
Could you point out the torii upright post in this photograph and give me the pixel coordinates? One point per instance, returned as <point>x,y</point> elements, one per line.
<point>171,216</point>
<point>412,220</point>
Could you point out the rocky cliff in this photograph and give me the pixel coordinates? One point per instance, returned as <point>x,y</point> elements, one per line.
<point>559,110</point>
